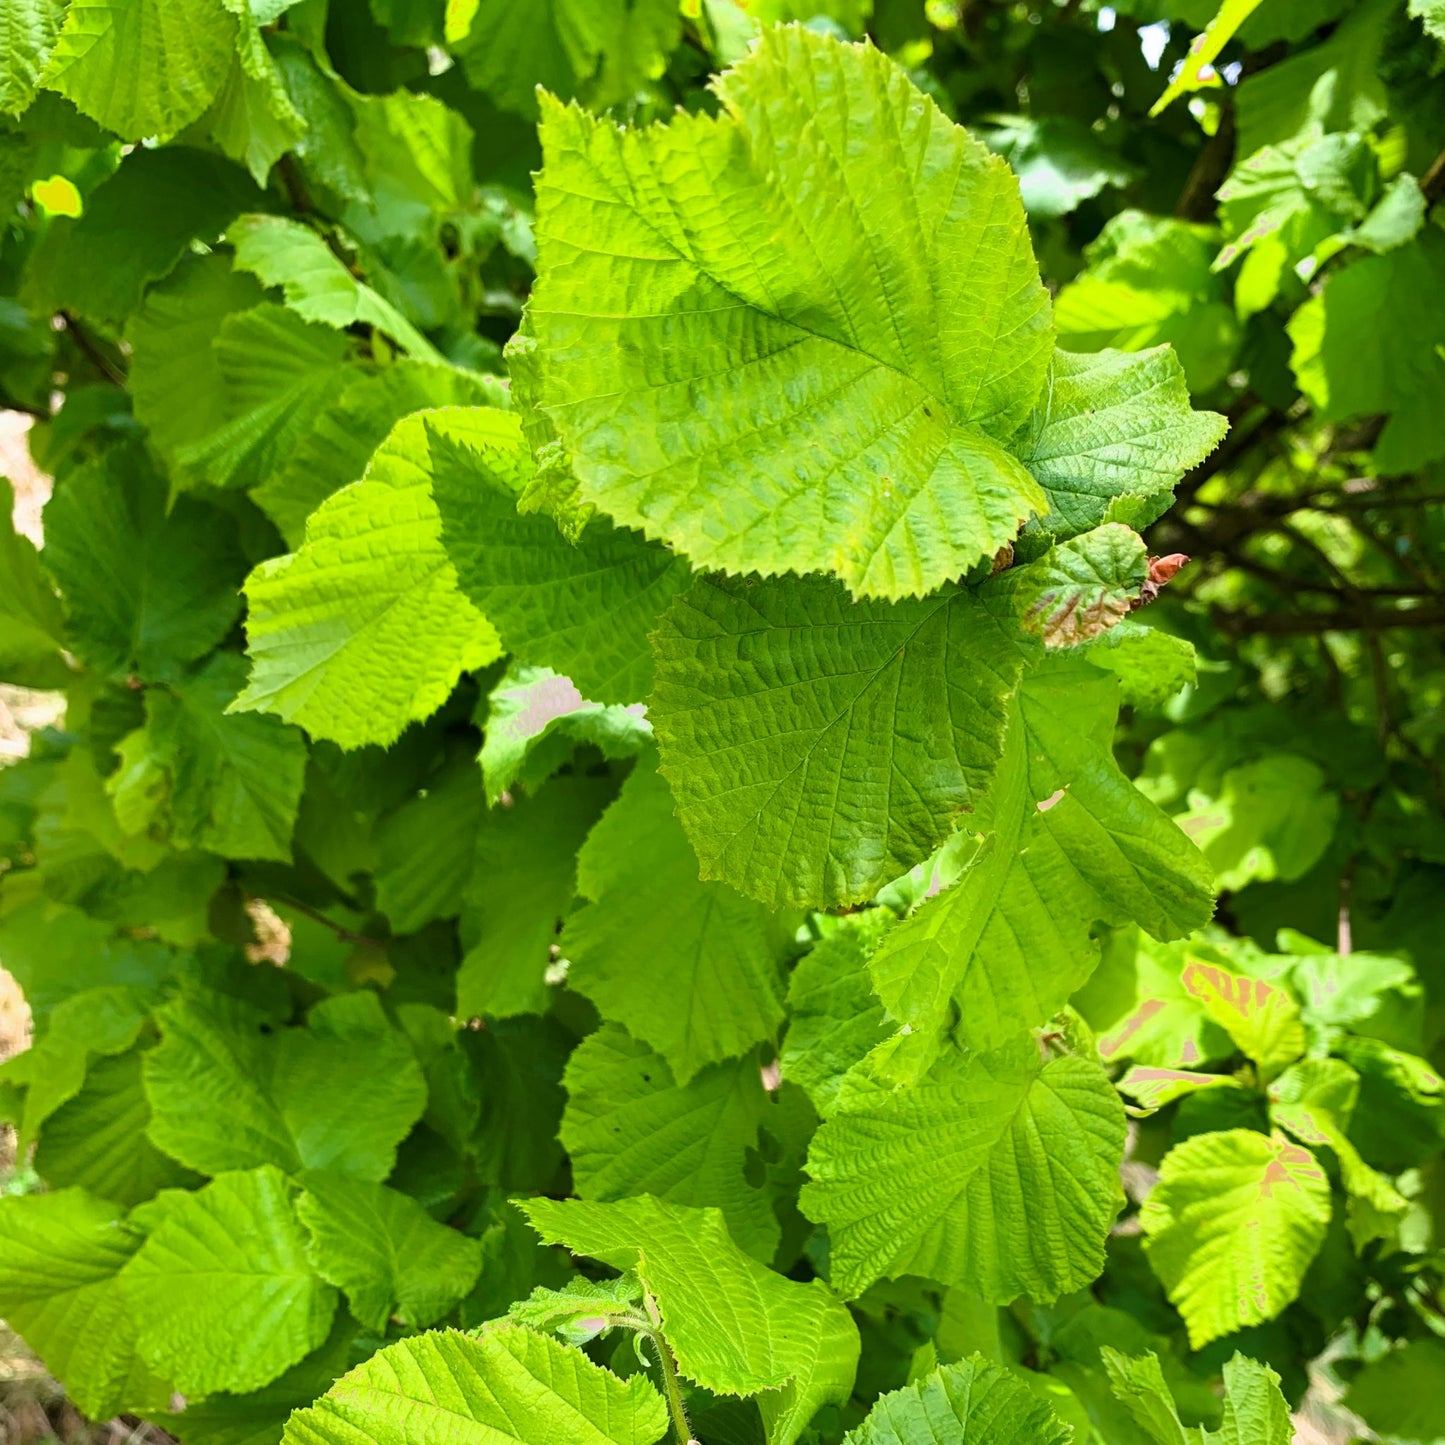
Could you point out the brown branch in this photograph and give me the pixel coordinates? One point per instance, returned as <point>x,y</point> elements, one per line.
<point>1432,183</point>
<point>1343,619</point>
<point>1212,164</point>
<point>91,348</point>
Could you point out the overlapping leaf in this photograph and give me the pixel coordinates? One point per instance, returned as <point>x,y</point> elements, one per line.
<point>780,709</point>
<point>1012,1170</point>
<point>1232,1226</point>
<point>859,384</point>
<point>586,610</point>
<point>1068,840</point>
<point>506,1385</point>
<point>686,966</point>
<point>735,1327</point>
<point>222,1292</point>
<point>631,1129</point>
<point>363,629</point>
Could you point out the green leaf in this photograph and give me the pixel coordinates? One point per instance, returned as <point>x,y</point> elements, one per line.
<point>1067,840</point>
<point>177,386</point>
<point>974,1402</point>
<point>522,887</point>
<point>1111,424</point>
<point>316,283</point>
<point>146,587</point>
<point>580,1310</point>
<point>98,1140</point>
<point>276,374</point>
<point>1400,1118</point>
<point>384,1250</point>
<point>1150,280</point>
<point>735,1327</point>
<point>1151,665</point>
<point>560,46</point>
<point>221,1290</point>
<point>506,1385</point>
<point>58,1288</point>
<point>536,720</point>
<point>142,67</point>
<point>1232,1226</point>
<point>584,611</point>
<point>229,1092</point>
<point>97,1021</point>
<point>259,1416</point>
<point>1011,1167</point>
<point>834,1017</point>
<point>1255,1411</point>
<point>27,31</point>
<point>1365,345</point>
<point>31,628</point>
<point>1262,1018</point>
<point>1204,49</point>
<point>778,702</point>
<point>685,966</point>
<point>1314,1100</point>
<point>253,119</point>
<point>1432,15</point>
<point>342,437</point>
<point>1081,588</point>
<point>860,387</point>
<point>137,224</point>
<point>1398,1393</point>
<point>1151,1088</point>
<point>363,630</point>
<point>1273,818</point>
<point>427,849</point>
<point>229,784</point>
<point>631,1129</point>
<point>1060,161</point>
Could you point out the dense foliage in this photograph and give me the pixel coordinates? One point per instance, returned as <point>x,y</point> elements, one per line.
<point>650,833</point>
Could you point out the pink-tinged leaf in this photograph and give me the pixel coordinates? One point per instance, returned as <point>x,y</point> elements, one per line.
<point>1261,1018</point>
<point>1232,1226</point>
<point>1153,1088</point>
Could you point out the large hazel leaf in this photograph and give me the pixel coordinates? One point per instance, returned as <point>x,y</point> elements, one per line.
<point>222,1292</point>
<point>385,1251</point>
<point>227,1091</point>
<point>631,1129</point>
<point>142,67</point>
<point>686,966</point>
<point>1011,1166</point>
<point>797,336</point>
<point>735,1327</point>
<point>363,629</point>
<point>974,1402</point>
<point>58,1289</point>
<point>817,746</point>
<point>504,1386</point>
<point>146,586</point>
<point>586,610</point>
<point>1068,840</point>
<point>228,784</point>
<point>1232,1226</point>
